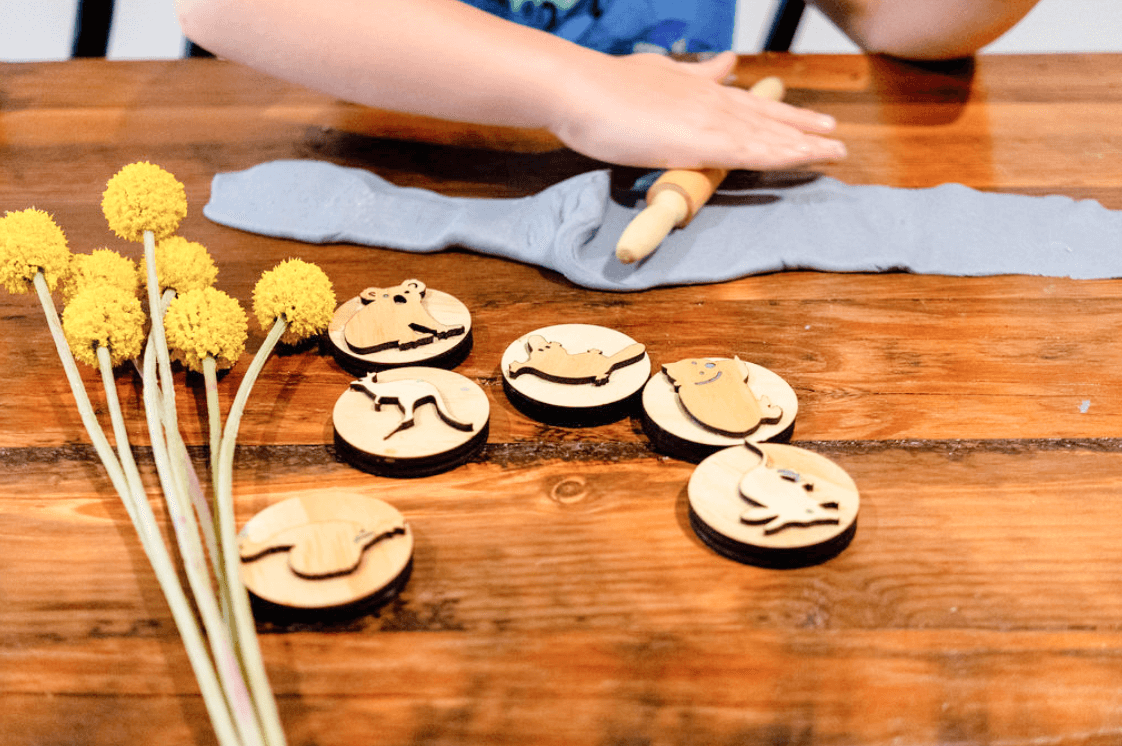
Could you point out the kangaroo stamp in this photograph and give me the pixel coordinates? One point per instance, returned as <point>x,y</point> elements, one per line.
<point>410,421</point>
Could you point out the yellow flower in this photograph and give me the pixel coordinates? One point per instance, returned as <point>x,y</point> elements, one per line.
<point>205,322</point>
<point>299,292</point>
<point>101,266</point>
<point>143,197</point>
<point>106,316</point>
<point>181,265</point>
<point>30,242</point>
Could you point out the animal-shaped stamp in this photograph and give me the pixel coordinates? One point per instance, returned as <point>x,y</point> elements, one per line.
<point>551,361</point>
<point>696,406</point>
<point>780,499</point>
<point>324,550</point>
<point>716,393</point>
<point>408,394</point>
<point>405,324</point>
<point>773,505</point>
<point>395,317</point>
<point>574,374</point>
<point>410,421</point>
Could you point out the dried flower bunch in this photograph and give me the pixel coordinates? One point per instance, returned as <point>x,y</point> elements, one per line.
<point>205,330</point>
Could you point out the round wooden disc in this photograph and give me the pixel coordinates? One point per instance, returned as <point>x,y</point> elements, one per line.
<point>368,435</point>
<point>315,517</point>
<point>443,353</point>
<point>673,430</point>
<point>581,402</point>
<point>718,508</point>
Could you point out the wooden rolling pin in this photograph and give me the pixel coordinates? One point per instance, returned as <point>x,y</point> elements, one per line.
<point>676,196</point>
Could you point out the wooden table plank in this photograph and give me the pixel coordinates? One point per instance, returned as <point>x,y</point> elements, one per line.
<point>558,594</point>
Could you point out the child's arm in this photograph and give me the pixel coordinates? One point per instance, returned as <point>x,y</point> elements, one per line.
<point>446,59</point>
<point>931,29</point>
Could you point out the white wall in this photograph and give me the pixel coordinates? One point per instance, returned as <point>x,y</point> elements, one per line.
<point>42,29</point>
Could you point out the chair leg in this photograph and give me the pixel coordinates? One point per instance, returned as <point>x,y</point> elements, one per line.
<point>91,32</point>
<point>783,27</point>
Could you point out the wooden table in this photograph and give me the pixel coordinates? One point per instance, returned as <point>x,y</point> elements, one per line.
<point>558,595</point>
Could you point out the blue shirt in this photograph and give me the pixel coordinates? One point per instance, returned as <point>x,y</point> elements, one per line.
<point>626,26</point>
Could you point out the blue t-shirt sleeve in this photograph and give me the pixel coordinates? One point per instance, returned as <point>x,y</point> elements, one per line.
<point>626,26</point>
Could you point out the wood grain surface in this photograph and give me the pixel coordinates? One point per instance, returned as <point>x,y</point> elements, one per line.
<point>558,594</point>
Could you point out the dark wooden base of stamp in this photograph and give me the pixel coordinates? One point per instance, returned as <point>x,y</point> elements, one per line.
<point>687,450</point>
<point>359,366</point>
<point>271,613</point>
<point>411,467</point>
<point>779,559</point>
<point>552,414</point>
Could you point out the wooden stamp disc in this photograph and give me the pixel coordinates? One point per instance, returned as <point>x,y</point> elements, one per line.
<point>325,550</point>
<point>442,352</point>
<point>773,505</point>
<point>673,430</point>
<point>411,421</point>
<point>574,374</point>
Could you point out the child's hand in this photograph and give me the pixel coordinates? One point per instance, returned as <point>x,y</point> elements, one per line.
<point>650,111</point>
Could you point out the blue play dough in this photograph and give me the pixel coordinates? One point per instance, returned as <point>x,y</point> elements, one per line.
<point>572,227</point>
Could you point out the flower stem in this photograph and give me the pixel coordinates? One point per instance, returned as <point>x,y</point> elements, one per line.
<point>214,423</point>
<point>172,465</point>
<point>246,634</point>
<point>202,508</point>
<point>195,566</point>
<point>161,562</point>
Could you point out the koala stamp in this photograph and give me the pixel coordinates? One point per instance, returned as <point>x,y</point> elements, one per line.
<point>395,317</point>
<point>716,394</point>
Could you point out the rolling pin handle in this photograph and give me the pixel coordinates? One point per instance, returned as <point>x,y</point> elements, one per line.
<point>643,235</point>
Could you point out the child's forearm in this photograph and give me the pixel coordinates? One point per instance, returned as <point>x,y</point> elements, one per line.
<point>445,59</point>
<point>440,58</point>
<point>933,29</point>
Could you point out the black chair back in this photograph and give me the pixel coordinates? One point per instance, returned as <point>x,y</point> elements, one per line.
<point>91,31</point>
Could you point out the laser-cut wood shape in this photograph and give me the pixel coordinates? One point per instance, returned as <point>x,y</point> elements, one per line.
<point>673,429</point>
<point>408,394</point>
<point>773,505</point>
<point>574,374</point>
<point>373,331</point>
<point>410,421</point>
<point>716,394</point>
<point>321,549</point>
<point>551,361</point>
<point>324,550</point>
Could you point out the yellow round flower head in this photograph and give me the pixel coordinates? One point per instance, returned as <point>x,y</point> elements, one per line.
<point>101,266</point>
<point>181,265</point>
<point>298,291</point>
<point>107,316</point>
<point>30,242</point>
<point>206,322</point>
<point>143,197</point>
